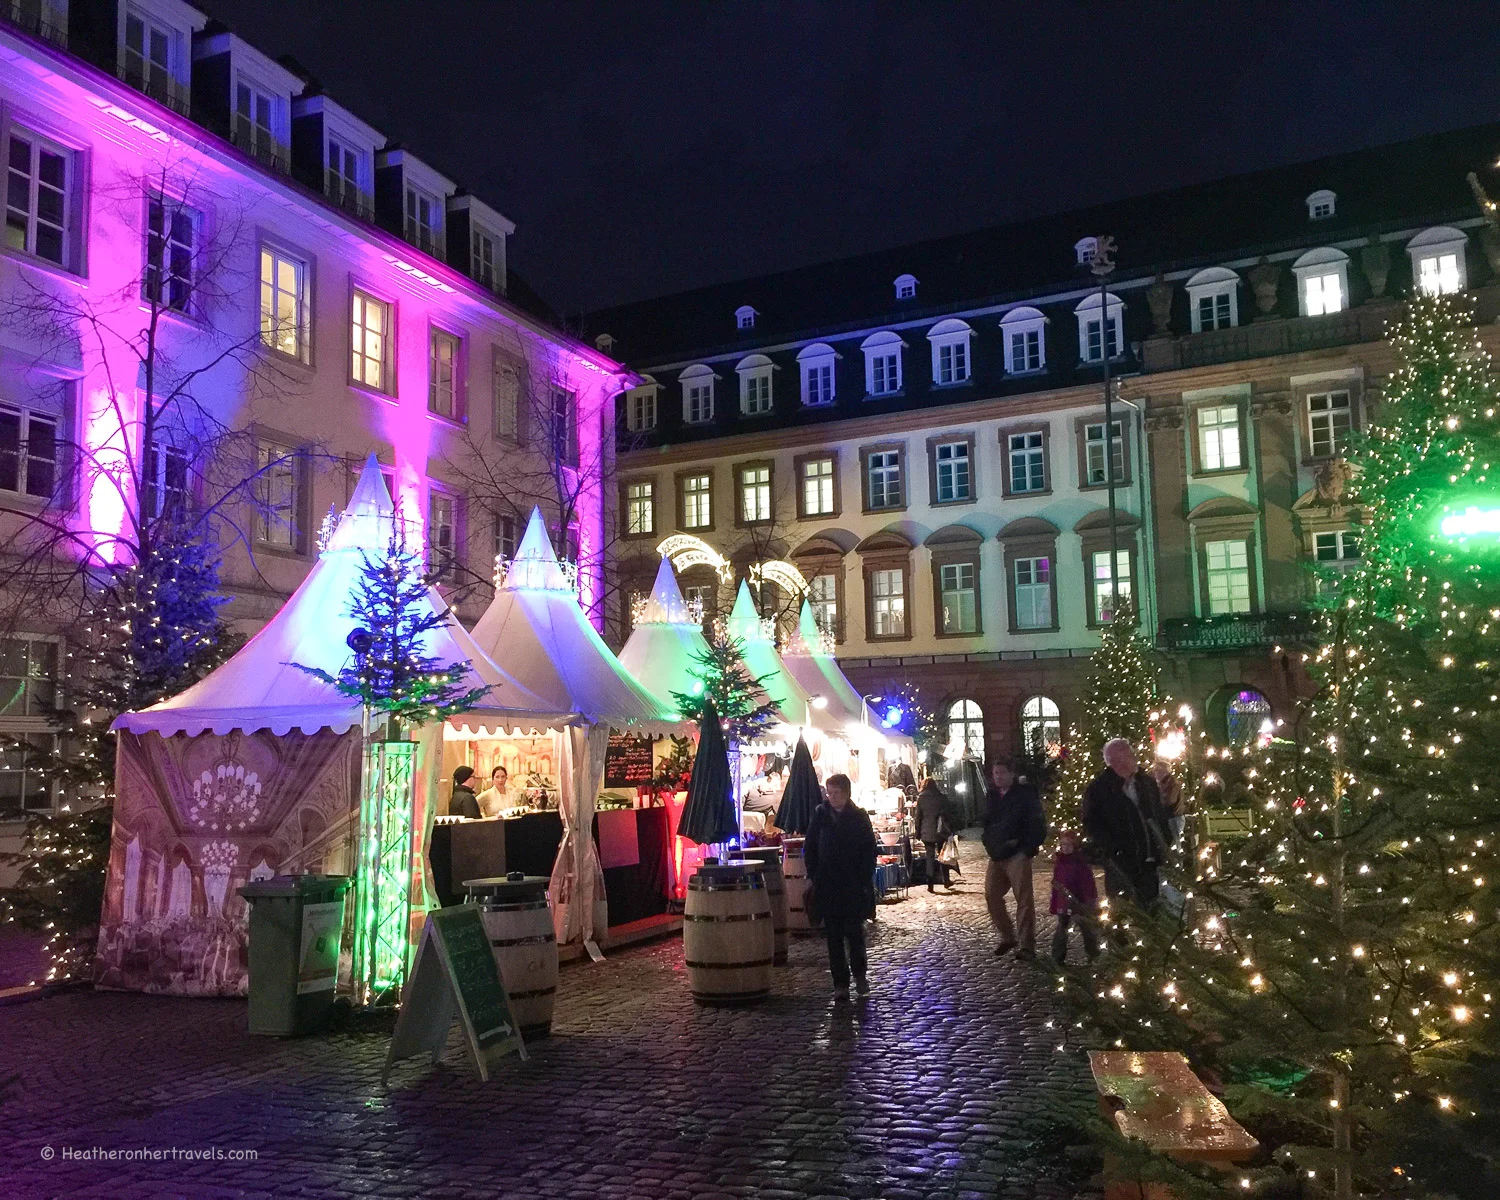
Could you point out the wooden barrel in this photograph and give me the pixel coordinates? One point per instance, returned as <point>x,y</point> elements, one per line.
<point>516,917</point>
<point>728,939</point>
<point>770,859</point>
<point>795,870</point>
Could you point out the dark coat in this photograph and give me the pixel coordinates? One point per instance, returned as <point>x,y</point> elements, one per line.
<point>1133,840</point>
<point>463,802</point>
<point>934,814</point>
<point>1014,822</point>
<point>840,852</point>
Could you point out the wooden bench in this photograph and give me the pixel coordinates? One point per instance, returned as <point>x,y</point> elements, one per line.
<point>1154,1097</point>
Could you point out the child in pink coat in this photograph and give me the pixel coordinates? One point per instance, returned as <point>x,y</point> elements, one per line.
<point>1074,897</point>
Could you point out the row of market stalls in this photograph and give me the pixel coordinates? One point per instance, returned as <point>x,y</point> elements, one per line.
<point>263,768</point>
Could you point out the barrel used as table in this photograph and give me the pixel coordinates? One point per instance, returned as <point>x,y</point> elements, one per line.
<point>728,936</point>
<point>519,924</point>
<point>770,859</point>
<point>794,868</point>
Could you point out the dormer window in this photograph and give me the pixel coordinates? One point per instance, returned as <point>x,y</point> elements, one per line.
<point>640,406</point>
<point>816,363</point>
<point>1024,331</point>
<point>744,317</point>
<point>151,57</point>
<point>755,385</point>
<point>1322,281</point>
<point>883,363</point>
<point>1437,261</point>
<point>604,343</point>
<point>906,287</point>
<point>348,177</point>
<point>1095,334</point>
<point>1085,249</point>
<point>697,394</point>
<point>1213,297</point>
<point>1320,205</point>
<point>950,352</point>
<point>422,219</point>
<point>257,124</point>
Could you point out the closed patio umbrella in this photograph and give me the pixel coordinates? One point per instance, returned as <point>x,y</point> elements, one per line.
<point>709,815</point>
<point>802,794</point>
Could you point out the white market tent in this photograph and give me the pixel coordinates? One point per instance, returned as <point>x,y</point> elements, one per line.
<point>793,701</point>
<point>535,627</point>
<point>662,651</point>
<point>818,672</point>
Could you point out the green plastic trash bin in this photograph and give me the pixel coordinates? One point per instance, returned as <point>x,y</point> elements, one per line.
<point>296,922</point>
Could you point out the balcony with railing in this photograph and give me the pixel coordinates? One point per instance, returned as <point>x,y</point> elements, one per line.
<point>1236,631</point>
<point>424,240</point>
<point>157,84</point>
<point>1267,338</point>
<point>349,198</point>
<point>38,18</point>
<point>255,141</point>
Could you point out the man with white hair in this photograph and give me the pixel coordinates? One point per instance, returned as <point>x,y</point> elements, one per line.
<point>1123,818</point>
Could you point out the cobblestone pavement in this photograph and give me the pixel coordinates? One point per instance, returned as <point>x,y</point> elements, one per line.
<point>937,1088</point>
<point>21,959</point>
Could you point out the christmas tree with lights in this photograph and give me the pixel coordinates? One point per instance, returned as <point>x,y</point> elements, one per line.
<point>740,698</point>
<point>1337,968</point>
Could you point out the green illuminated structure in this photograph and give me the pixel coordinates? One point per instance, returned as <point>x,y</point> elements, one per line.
<point>382,911</point>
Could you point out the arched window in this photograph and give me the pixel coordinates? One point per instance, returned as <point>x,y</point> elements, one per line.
<point>1041,726</point>
<point>966,729</point>
<point>1245,713</point>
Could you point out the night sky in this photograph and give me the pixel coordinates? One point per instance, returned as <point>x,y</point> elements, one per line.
<point>645,148</point>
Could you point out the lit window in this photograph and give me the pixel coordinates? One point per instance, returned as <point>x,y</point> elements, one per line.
<point>888,603</point>
<point>422,220</point>
<point>164,483</point>
<point>640,409</point>
<point>1110,591</point>
<point>884,474</point>
<point>28,452</point>
<point>1245,714</point>
<point>958,597</point>
<point>562,426</point>
<point>953,474</point>
<point>1028,461</point>
<point>1094,454</point>
<point>171,239</point>
<point>966,729</point>
<point>755,495</point>
<point>442,375</point>
<point>442,532</point>
<point>1041,726</point>
<point>1033,585</point>
<point>640,508</point>
<point>255,124</point>
<point>1323,294</point>
<point>278,495</point>
<point>1228,577</point>
<point>1438,275</point>
<point>817,487</point>
<point>1329,419</point>
<point>822,593</point>
<point>1219,438</point>
<point>36,198</point>
<point>697,501</point>
<point>370,335</point>
<point>283,303</point>
<point>950,352</point>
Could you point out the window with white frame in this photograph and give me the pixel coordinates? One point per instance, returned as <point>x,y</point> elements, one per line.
<point>906,287</point>
<point>640,508</point>
<point>958,597</point>
<point>1084,250</point>
<point>30,669</point>
<point>1437,261</point>
<point>1322,281</point>
<point>966,730</point>
<point>283,303</point>
<point>278,495</point>
<point>1438,274</point>
<point>1320,204</point>
<point>1323,294</point>
<point>950,352</point>
<point>171,243</point>
<point>697,501</point>
<point>744,317</point>
<point>483,259</point>
<point>1041,726</point>
<point>1330,416</point>
<point>562,426</point>
<point>1219,438</point>
<point>442,532</point>
<point>954,479</point>
<point>883,479</point>
<point>1027,461</point>
<point>1213,299</point>
<point>755,494</point>
<point>816,363</point>
<point>823,596</point>
<point>882,363</point>
<point>1337,548</point>
<point>505,393</point>
<point>1023,330</point>
<point>29,676</point>
<point>505,536</point>
<point>345,179</point>
<point>370,338</point>
<point>147,53</point>
<point>1095,455</point>
<point>755,385</point>
<point>640,408</point>
<point>443,395</point>
<point>697,395</point>
<point>817,487</point>
<point>888,603</point>
<point>28,452</point>
<point>1227,567</point>
<point>37,200</point>
<point>1111,588</point>
<point>1212,311</point>
<point>1096,335</point>
<point>1033,592</point>
<point>423,219</point>
<point>164,482</point>
<point>255,123</point>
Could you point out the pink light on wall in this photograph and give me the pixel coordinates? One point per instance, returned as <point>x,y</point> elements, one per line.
<point>106,479</point>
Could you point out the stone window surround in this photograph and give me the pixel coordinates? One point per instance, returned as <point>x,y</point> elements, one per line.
<point>679,487</point>
<point>824,558</point>
<point>1227,527</point>
<point>1095,539</point>
<point>1030,537</point>
<point>864,476</point>
<point>1045,429</point>
<point>797,464</point>
<point>1195,441</point>
<point>890,552</point>
<point>739,494</point>
<point>1080,425</point>
<point>1302,390</point>
<point>946,548</point>
<point>625,484</point>
<point>945,439</point>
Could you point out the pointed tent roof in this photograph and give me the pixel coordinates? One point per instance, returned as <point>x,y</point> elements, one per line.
<point>535,627</point>
<point>662,651</point>
<point>762,661</point>
<point>818,672</point>
<point>258,688</point>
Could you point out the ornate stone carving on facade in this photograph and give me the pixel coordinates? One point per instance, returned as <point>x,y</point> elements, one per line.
<point>1332,483</point>
<point>1159,299</point>
<point>1265,278</point>
<point>1376,261</point>
<point>1276,404</point>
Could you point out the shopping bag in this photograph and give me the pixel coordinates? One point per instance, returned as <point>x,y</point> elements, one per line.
<point>948,855</point>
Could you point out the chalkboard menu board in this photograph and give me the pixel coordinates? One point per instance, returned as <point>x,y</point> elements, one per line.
<point>455,975</point>
<point>627,761</point>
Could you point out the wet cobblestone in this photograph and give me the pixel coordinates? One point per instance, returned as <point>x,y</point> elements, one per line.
<point>935,1088</point>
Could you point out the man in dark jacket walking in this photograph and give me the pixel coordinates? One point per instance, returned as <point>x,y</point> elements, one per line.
<point>1014,830</point>
<point>840,850</point>
<point>1123,819</point>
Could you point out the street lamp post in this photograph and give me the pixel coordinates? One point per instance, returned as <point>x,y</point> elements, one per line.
<point>1101,263</point>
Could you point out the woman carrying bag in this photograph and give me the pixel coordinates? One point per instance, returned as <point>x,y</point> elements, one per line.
<point>934,828</point>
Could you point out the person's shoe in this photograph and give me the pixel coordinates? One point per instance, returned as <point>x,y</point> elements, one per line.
<point>862,986</point>
<point>840,994</point>
<point>930,888</point>
<point>1026,954</point>
<point>1004,948</point>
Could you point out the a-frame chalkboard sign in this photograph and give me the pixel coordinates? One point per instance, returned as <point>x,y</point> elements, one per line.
<point>454,975</point>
